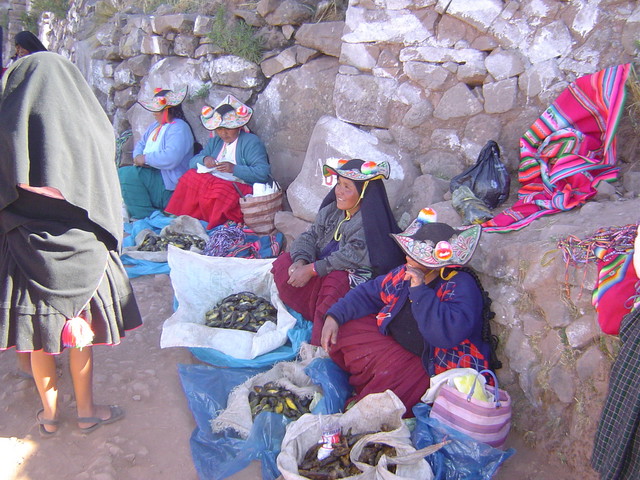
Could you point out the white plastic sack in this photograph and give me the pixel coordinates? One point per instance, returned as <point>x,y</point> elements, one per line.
<point>199,282</point>
<point>368,415</point>
<point>182,224</point>
<point>290,375</point>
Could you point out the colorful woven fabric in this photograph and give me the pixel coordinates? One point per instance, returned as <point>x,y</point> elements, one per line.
<point>611,248</point>
<point>568,150</point>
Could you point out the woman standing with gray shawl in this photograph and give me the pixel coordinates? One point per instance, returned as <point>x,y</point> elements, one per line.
<point>61,280</point>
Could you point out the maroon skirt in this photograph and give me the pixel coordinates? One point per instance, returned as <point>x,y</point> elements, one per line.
<point>314,299</point>
<point>376,362</point>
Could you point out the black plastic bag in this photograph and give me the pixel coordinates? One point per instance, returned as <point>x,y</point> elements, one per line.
<point>488,179</point>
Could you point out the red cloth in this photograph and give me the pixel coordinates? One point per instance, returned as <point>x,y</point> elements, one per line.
<point>376,362</point>
<point>314,299</point>
<point>207,197</point>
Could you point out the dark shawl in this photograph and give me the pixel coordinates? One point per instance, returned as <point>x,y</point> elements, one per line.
<point>53,132</point>
<point>30,42</point>
<point>378,222</point>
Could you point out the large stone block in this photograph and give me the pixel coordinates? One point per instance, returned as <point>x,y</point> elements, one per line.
<point>177,23</point>
<point>185,45</point>
<point>479,13</point>
<point>550,41</point>
<point>329,142</point>
<point>324,37</point>
<point>364,99</point>
<point>281,121</point>
<point>503,64</point>
<point>125,98</point>
<point>382,25</point>
<point>139,65</point>
<point>428,76</point>
<point>235,72</point>
<point>361,56</point>
<point>123,77</point>
<point>285,12</point>
<point>155,45</point>
<point>457,102</point>
<point>500,97</point>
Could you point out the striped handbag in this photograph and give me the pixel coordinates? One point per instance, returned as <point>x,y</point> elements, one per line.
<point>488,422</point>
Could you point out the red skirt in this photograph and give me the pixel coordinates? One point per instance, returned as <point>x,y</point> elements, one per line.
<point>376,362</point>
<point>314,299</point>
<point>207,197</point>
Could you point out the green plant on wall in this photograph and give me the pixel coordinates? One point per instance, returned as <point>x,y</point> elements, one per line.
<point>58,7</point>
<point>30,21</point>
<point>236,37</point>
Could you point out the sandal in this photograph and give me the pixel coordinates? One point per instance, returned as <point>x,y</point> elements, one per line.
<point>43,421</point>
<point>117,413</point>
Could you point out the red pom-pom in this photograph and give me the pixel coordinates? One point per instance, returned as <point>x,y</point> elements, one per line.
<point>76,333</point>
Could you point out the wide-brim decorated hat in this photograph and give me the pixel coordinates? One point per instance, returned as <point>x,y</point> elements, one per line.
<point>436,245</point>
<point>358,170</point>
<point>230,113</point>
<point>164,98</point>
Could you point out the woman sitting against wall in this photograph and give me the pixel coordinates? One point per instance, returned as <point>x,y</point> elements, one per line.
<point>231,162</point>
<point>160,157</point>
<point>347,244</point>
<point>418,320</point>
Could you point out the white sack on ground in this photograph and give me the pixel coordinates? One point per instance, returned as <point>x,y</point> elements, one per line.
<point>199,282</point>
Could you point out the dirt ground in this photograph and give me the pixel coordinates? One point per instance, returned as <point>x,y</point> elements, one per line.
<point>152,442</point>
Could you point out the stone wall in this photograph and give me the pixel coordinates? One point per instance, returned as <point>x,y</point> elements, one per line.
<point>423,84</point>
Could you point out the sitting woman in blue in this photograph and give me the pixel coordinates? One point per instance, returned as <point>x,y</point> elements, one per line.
<point>399,329</point>
<point>160,157</point>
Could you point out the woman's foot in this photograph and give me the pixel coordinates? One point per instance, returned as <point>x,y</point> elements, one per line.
<point>48,427</point>
<point>102,415</point>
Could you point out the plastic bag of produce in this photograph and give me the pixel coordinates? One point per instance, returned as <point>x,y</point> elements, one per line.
<point>370,416</point>
<point>200,282</point>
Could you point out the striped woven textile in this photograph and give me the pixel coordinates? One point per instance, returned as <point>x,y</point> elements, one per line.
<point>568,150</point>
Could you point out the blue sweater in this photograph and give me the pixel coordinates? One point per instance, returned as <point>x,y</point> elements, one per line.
<point>448,314</point>
<point>252,162</point>
<point>172,159</point>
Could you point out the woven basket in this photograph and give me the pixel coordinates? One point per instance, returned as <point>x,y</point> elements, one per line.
<point>260,212</point>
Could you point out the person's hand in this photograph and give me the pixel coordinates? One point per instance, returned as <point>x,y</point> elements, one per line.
<point>209,162</point>
<point>417,276</point>
<point>329,333</point>
<point>139,160</point>
<point>301,275</point>
<point>295,265</point>
<point>226,167</point>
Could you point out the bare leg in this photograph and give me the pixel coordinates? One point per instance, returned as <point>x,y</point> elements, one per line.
<point>43,367</point>
<point>81,366</point>
<point>24,362</point>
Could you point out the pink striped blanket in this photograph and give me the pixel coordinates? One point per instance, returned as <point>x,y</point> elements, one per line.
<point>568,150</point>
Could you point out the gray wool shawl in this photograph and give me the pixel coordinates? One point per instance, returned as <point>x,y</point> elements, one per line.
<point>54,133</point>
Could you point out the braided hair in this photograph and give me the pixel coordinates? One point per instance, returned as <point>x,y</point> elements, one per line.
<point>487,316</point>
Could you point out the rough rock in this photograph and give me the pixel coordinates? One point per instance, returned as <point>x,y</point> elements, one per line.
<point>282,124</point>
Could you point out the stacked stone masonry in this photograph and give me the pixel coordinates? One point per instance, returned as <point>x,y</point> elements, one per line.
<point>423,84</point>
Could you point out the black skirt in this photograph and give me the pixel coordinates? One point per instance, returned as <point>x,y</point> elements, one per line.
<point>29,319</point>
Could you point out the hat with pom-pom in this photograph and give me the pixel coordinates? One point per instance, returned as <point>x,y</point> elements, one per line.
<point>358,170</point>
<point>435,244</point>
<point>230,113</point>
<point>164,98</point>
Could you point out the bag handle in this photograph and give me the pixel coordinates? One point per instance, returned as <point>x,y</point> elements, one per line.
<point>475,360</point>
<point>496,396</point>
